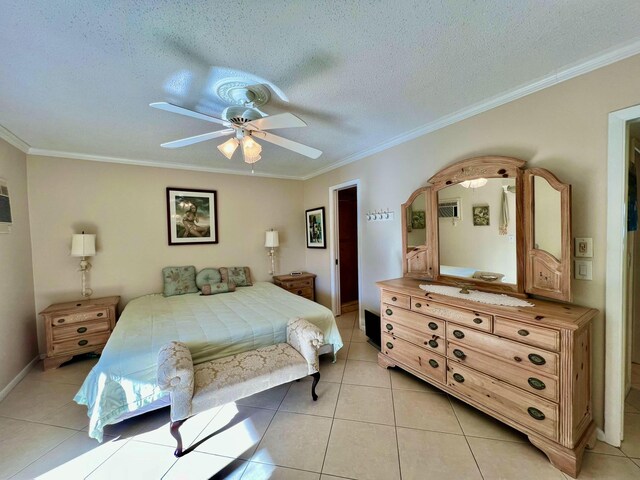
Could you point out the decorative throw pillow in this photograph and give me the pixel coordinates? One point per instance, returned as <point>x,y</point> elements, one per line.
<point>214,288</point>
<point>241,276</point>
<point>208,276</point>
<point>179,280</point>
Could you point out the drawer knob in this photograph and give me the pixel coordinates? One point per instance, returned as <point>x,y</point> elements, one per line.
<point>100,314</point>
<point>299,292</point>
<point>458,334</point>
<point>432,325</point>
<point>82,330</point>
<point>477,321</point>
<point>536,359</point>
<point>458,378</point>
<point>418,305</point>
<point>389,326</point>
<point>459,354</point>
<point>82,343</point>
<point>394,299</point>
<point>389,345</point>
<point>388,311</point>
<point>517,359</point>
<point>433,363</point>
<point>535,413</point>
<point>536,383</point>
<point>61,320</point>
<point>523,332</point>
<point>433,344</point>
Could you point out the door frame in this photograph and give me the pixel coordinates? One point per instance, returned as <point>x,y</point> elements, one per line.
<point>334,251</point>
<point>616,276</point>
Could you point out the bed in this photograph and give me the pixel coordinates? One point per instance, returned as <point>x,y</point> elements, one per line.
<point>123,382</point>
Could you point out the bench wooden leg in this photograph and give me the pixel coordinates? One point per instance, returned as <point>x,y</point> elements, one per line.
<point>316,379</point>
<point>175,433</point>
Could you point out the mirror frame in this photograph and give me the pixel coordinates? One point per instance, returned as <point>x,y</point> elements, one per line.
<point>538,272</point>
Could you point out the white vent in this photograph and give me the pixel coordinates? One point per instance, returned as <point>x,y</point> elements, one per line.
<point>449,209</point>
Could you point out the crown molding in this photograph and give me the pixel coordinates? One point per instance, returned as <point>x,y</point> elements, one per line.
<point>14,140</point>
<point>568,72</point>
<point>151,163</point>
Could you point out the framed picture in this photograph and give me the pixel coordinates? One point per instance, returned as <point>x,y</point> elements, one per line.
<point>418,220</point>
<point>192,216</point>
<point>315,228</point>
<point>480,215</point>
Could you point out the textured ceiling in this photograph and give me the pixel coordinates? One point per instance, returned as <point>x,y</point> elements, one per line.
<point>78,76</point>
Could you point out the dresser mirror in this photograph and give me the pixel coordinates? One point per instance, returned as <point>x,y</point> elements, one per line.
<point>491,222</point>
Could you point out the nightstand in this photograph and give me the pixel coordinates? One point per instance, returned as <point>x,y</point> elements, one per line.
<point>78,327</point>
<point>303,284</point>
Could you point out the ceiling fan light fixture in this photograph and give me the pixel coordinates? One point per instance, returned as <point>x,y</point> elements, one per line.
<point>475,183</point>
<point>229,147</point>
<point>250,148</point>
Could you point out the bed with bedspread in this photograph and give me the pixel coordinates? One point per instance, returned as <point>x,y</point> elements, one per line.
<point>123,382</point>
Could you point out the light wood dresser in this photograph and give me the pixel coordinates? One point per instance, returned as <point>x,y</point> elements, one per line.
<point>73,328</point>
<point>529,367</point>
<point>303,284</point>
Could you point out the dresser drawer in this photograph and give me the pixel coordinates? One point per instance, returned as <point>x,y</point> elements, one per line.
<point>471,318</point>
<point>397,299</point>
<point>542,385</point>
<point>430,340</point>
<point>518,354</point>
<point>80,330</point>
<point>530,334</point>
<point>297,283</point>
<point>78,344</point>
<point>426,362</point>
<point>76,317</point>
<point>306,292</point>
<point>535,413</point>
<point>422,323</point>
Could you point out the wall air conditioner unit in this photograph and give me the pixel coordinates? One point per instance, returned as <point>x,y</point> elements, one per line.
<point>450,208</point>
<point>5,207</point>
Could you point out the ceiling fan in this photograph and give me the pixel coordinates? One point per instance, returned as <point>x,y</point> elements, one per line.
<point>246,122</point>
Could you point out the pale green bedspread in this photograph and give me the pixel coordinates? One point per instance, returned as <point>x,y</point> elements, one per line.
<point>124,379</point>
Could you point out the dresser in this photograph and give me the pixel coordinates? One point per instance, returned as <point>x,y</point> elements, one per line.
<point>529,367</point>
<point>303,284</point>
<point>77,327</point>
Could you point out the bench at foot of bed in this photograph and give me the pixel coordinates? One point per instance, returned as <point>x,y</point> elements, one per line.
<point>196,388</point>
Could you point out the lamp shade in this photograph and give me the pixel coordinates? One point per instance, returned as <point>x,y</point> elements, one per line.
<point>83,245</point>
<point>271,239</point>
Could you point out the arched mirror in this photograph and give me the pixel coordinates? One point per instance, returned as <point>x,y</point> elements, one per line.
<point>417,235</point>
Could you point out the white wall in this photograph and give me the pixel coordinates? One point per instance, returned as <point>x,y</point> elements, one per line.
<point>18,345</point>
<point>126,207</point>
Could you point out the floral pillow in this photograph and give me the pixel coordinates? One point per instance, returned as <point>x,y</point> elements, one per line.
<point>215,288</point>
<point>208,276</point>
<point>179,280</point>
<point>240,276</point>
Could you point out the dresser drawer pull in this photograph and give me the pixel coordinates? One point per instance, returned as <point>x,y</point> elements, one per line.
<point>82,330</point>
<point>394,299</point>
<point>459,354</point>
<point>535,413</point>
<point>100,314</point>
<point>299,292</point>
<point>418,305</point>
<point>517,359</point>
<point>536,359</point>
<point>389,345</point>
<point>61,320</point>
<point>523,332</point>
<point>477,321</point>
<point>389,326</point>
<point>82,343</point>
<point>433,344</point>
<point>458,334</point>
<point>536,383</point>
<point>458,378</point>
<point>388,311</point>
<point>433,363</point>
<point>433,325</point>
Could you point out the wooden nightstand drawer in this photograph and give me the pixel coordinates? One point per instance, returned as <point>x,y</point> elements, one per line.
<point>295,284</point>
<point>80,330</point>
<point>78,344</point>
<point>302,285</point>
<point>306,292</point>
<point>80,317</point>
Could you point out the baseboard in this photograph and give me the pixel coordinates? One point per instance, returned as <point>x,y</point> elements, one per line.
<point>600,435</point>
<point>23,373</point>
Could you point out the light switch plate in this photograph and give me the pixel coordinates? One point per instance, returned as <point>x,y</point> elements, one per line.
<point>583,269</point>
<point>583,247</point>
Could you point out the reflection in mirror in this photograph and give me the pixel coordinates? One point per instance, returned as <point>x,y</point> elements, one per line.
<point>416,223</point>
<point>480,242</point>
<point>547,225</point>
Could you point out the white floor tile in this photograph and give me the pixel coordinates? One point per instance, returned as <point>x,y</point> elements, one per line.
<point>135,461</point>
<point>204,466</point>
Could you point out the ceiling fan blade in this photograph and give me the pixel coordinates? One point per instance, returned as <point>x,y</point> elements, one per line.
<point>170,107</point>
<point>198,138</point>
<point>289,144</point>
<point>282,120</point>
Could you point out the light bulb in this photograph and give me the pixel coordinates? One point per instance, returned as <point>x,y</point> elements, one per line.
<point>228,148</point>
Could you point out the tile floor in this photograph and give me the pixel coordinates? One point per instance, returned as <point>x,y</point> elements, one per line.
<point>369,423</point>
